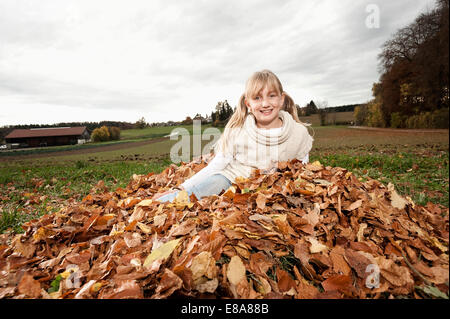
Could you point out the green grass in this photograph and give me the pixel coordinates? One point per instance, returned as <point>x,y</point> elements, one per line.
<point>156,131</point>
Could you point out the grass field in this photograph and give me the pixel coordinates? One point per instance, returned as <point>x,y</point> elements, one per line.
<point>417,163</point>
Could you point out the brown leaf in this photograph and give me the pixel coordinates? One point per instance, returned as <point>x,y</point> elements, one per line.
<point>241,199</point>
<point>127,289</point>
<point>340,266</point>
<point>313,216</point>
<point>25,249</point>
<point>168,284</point>
<point>357,261</point>
<point>132,239</point>
<point>203,265</point>
<point>354,205</point>
<point>261,201</point>
<point>399,276</point>
<point>29,287</point>
<point>183,229</point>
<point>342,283</point>
<point>285,283</point>
<point>316,246</point>
<point>260,263</point>
<point>439,274</point>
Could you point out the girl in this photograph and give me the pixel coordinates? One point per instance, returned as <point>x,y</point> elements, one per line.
<point>263,130</point>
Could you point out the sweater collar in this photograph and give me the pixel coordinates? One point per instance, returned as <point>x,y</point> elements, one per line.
<point>263,136</point>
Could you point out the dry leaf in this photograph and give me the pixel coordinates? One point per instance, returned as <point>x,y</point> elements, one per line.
<point>261,201</point>
<point>162,252</point>
<point>396,200</point>
<point>29,287</point>
<point>203,265</point>
<point>316,246</point>
<point>235,271</point>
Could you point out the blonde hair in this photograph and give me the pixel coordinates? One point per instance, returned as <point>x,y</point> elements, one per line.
<point>254,85</point>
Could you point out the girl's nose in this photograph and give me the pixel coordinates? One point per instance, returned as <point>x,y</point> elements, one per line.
<point>265,102</point>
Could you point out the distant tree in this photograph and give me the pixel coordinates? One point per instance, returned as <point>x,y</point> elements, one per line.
<point>309,109</point>
<point>321,110</point>
<point>114,132</point>
<point>361,115</point>
<point>100,134</point>
<point>187,121</point>
<point>141,123</point>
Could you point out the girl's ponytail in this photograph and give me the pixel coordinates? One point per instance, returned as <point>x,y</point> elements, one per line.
<point>236,121</point>
<point>290,107</point>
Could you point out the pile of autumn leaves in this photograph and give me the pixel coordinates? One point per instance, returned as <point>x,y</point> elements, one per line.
<point>304,231</point>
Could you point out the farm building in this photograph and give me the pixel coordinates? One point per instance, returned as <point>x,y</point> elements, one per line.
<point>48,136</point>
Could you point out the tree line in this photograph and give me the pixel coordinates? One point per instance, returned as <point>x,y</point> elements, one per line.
<point>413,88</point>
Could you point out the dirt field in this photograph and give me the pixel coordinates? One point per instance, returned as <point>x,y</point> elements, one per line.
<point>106,148</point>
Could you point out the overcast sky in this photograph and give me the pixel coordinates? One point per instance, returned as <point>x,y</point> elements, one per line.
<point>74,61</point>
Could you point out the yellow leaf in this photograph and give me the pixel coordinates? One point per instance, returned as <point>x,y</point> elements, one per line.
<point>117,229</point>
<point>360,234</point>
<point>435,242</point>
<point>145,202</point>
<point>43,233</point>
<point>240,179</point>
<point>182,200</point>
<point>182,197</point>
<point>95,287</point>
<point>146,229</point>
<point>164,251</point>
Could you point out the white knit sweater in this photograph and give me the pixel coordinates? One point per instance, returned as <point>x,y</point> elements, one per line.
<point>251,148</point>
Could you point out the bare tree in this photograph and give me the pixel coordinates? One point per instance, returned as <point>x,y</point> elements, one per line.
<point>321,110</point>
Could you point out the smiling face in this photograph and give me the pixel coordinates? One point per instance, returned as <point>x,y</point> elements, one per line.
<point>265,106</point>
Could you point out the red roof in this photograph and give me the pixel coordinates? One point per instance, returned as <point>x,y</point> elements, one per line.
<point>43,132</point>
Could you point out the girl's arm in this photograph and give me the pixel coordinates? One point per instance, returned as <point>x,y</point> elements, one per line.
<point>217,164</point>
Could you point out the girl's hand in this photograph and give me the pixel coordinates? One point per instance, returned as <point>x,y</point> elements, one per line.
<point>158,195</point>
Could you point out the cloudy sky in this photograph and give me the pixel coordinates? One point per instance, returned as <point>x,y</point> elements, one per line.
<point>73,61</point>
